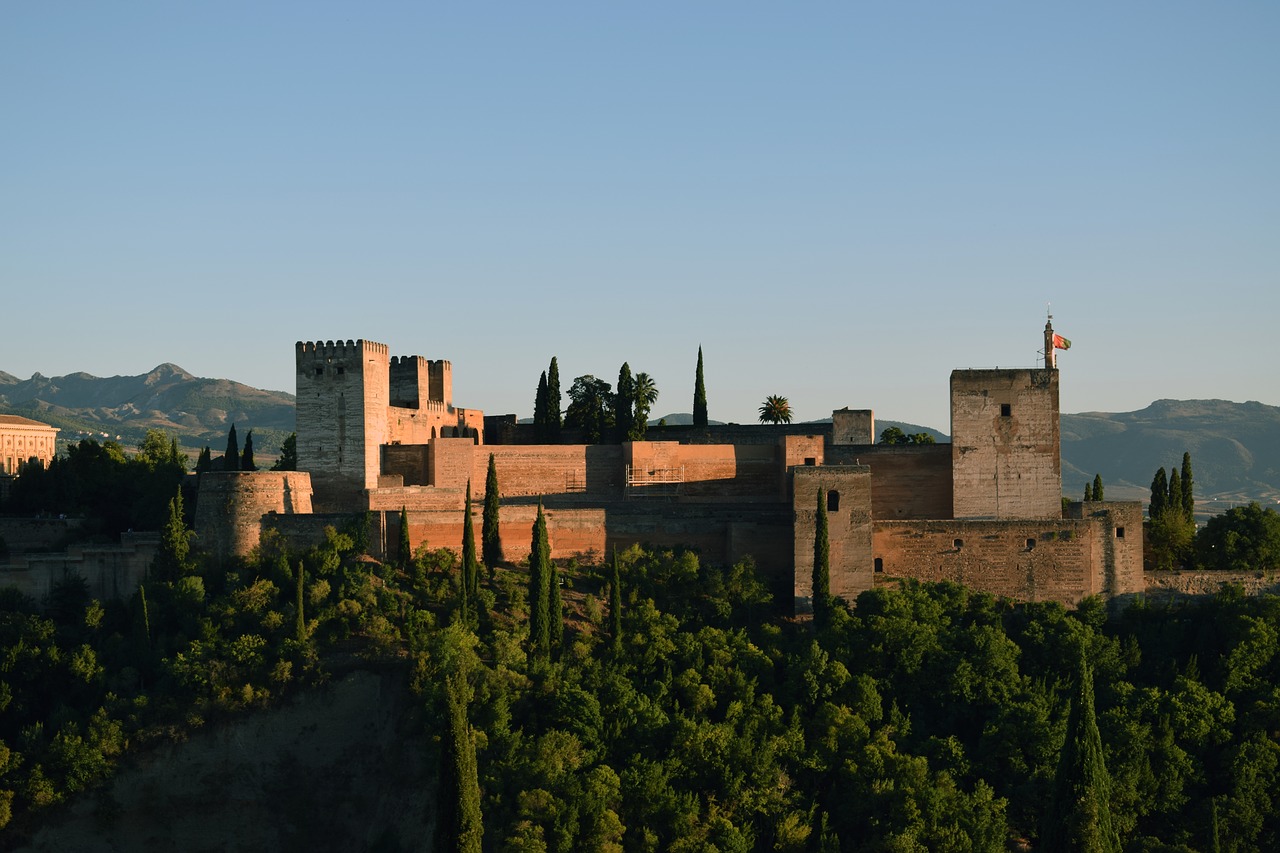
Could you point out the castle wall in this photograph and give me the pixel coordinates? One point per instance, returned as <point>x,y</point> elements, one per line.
<point>1118,538</point>
<point>853,426</point>
<point>1005,444</point>
<point>907,481</point>
<point>110,571</point>
<point>1028,559</point>
<point>231,505</point>
<point>37,534</point>
<point>532,470</point>
<point>710,472</point>
<point>846,492</point>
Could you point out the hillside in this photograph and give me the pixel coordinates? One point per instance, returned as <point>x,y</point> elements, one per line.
<point>1235,449</point>
<point>197,410</point>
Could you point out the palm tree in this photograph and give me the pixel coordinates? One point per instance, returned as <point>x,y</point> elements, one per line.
<point>776,410</point>
<point>645,392</point>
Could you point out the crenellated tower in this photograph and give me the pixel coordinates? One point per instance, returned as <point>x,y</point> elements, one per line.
<point>343,391</point>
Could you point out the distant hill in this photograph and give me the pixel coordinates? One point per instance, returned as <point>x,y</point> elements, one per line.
<point>1235,447</point>
<point>198,411</point>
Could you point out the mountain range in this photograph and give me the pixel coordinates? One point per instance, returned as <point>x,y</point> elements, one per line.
<point>1235,447</point>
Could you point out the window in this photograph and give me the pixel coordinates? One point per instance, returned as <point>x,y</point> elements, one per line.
<point>833,501</point>
<point>957,544</point>
<point>1005,410</point>
<point>1119,532</point>
<point>319,371</point>
<point>1031,544</point>
<point>811,460</point>
<point>879,564</point>
<point>341,370</point>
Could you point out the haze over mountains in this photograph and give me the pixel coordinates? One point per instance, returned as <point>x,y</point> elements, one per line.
<point>1235,447</point>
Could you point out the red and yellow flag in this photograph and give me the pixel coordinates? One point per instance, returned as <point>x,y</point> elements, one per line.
<point>1059,342</point>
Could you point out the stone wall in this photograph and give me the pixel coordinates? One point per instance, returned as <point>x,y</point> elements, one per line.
<point>853,426</point>
<point>1005,444</point>
<point>535,470</point>
<point>846,493</point>
<point>1032,559</point>
<point>709,472</point>
<point>231,505</point>
<point>37,534</point>
<point>907,480</point>
<point>111,571</point>
<point>1118,540</point>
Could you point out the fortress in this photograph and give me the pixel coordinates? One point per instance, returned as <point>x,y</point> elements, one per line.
<point>377,433</point>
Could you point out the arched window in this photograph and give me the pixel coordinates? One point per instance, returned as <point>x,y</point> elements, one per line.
<point>833,501</point>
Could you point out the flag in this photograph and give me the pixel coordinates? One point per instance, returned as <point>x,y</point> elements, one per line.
<point>1059,342</point>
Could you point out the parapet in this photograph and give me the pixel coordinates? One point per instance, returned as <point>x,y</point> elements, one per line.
<point>340,349</point>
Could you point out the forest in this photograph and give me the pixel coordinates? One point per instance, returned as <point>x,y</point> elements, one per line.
<point>657,702</point>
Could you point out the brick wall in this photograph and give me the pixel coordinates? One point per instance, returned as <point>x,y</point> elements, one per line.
<point>231,504</point>
<point>846,491</point>
<point>907,481</point>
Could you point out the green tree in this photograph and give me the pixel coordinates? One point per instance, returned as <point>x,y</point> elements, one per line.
<point>624,402</point>
<point>1188,490</point>
<point>1078,818</point>
<point>615,603</point>
<point>821,565</point>
<point>540,428</point>
<point>1159,495</point>
<point>589,408</point>
<point>470,565</point>
<point>459,826</point>
<point>406,549</point>
<point>246,458</point>
<point>157,448</point>
<point>893,435</point>
<point>1097,488</point>
<point>646,394</point>
<point>1088,495</point>
<point>490,535</point>
<point>173,556</point>
<point>1244,538</point>
<point>553,401</point>
<point>1174,502</point>
<point>231,458</point>
<point>775,410</point>
<point>204,462</point>
<point>288,460</point>
<point>300,621</point>
<point>921,438</point>
<point>540,589</point>
<point>699,395</point>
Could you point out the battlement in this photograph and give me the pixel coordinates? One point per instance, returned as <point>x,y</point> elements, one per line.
<point>341,349</point>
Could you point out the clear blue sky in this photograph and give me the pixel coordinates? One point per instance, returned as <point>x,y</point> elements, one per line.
<point>840,202</point>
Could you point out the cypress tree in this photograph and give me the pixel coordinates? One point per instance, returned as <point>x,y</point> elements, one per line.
<point>231,459</point>
<point>1088,491</point>
<point>1188,496</point>
<point>1078,817</point>
<point>539,589</point>
<point>1097,487</point>
<point>288,460</point>
<point>172,559</point>
<point>699,395</point>
<point>821,565</point>
<point>246,458</point>
<point>406,550</point>
<point>459,826</point>
<point>553,401</point>
<point>615,603</point>
<point>470,566</point>
<point>204,462</point>
<point>300,622</point>
<point>1159,495</point>
<point>540,409</point>
<point>624,404</point>
<point>1175,492</point>
<point>490,536</point>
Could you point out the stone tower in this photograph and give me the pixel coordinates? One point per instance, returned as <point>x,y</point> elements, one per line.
<point>1005,442</point>
<point>343,391</point>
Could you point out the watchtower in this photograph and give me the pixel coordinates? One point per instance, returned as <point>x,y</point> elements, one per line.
<point>1005,443</point>
<point>343,391</point>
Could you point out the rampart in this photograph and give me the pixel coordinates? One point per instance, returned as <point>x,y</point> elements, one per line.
<point>110,571</point>
<point>910,481</point>
<point>231,506</point>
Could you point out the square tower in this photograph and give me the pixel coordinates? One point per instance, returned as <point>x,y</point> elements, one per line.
<point>1005,444</point>
<point>343,391</point>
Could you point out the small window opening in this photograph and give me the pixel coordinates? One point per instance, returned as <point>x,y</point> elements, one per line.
<point>341,370</point>
<point>879,564</point>
<point>833,501</point>
<point>1119,532</point>
<point>1031,543</point>
<point>957,544</point>
<point>319,371</point>
<point>811,460</point>
<point>1005,410</point>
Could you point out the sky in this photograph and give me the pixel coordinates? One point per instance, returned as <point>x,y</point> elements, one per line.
<point>839,202</point>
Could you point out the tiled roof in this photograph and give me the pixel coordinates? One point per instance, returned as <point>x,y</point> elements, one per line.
<point>15,420</point>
